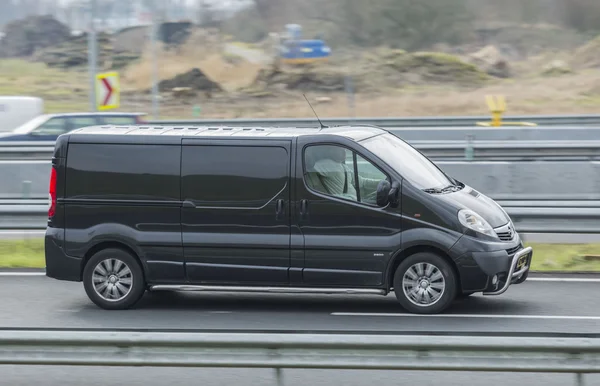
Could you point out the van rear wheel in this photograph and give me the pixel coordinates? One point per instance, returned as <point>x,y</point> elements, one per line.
<point>425,283</point>
<point>113,279</point>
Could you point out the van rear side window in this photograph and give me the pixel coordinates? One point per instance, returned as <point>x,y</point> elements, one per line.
<point>233,176</point>
<point>114,171</point>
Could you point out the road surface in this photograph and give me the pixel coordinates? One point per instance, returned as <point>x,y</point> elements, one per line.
<point>530,308</point>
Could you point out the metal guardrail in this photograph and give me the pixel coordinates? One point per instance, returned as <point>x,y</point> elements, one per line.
<point>462,133</point>
<point>548,180</point>
<point>531,216</point>
<point>542,120</point>
<point>436,150</point>
<point>303,351</point>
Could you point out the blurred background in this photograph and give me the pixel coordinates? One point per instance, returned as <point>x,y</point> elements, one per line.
<point>502,95</point>
<point>227,59</point>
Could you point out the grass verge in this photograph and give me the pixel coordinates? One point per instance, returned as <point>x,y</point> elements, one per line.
<point>22,253</point>
<point>61,90</point>
<point>29,253</point>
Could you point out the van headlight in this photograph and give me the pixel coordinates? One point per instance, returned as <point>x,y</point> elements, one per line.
<point>472,220</point>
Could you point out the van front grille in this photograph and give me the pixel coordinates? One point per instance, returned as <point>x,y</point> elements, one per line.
<point>505,232</point>
<point>512,251</point>
<point>505,236</point>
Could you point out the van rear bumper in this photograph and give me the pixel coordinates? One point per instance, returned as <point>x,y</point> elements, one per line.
<point>491,270</point>
<point>59,265</point>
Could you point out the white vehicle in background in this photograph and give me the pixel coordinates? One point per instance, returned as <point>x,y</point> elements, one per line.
<point>16,110</point>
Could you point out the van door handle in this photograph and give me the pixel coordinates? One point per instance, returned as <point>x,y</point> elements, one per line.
<point>188,204</point>
<point>303,208</point>
<point>279,209</point>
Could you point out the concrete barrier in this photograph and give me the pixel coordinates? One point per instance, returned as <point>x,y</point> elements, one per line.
<point>551,180</point>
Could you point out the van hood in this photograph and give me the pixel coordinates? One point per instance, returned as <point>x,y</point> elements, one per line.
<point>469,198</point>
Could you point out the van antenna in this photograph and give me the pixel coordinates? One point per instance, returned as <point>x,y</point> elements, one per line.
<point>321,123</point>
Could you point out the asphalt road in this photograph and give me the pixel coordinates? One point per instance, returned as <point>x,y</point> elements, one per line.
<point>533,307</point>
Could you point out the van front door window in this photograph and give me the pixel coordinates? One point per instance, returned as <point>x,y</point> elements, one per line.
<point>333,173</point>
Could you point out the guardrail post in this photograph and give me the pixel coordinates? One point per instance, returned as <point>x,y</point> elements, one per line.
<point>579,379</point>
<point>279,376</point>
<point>469,151</point>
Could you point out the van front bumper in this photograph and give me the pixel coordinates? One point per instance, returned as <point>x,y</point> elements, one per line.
<point>491,267</point>
<point>517,273</point>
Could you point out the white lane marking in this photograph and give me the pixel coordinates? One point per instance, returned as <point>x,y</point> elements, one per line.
<point>31,161</point>
<point>558,317</point>
<point>22,273</point>
<point>24,231</point>
<point>563,279</point>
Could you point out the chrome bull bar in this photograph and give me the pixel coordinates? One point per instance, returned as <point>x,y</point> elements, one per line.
<point>512,272</point>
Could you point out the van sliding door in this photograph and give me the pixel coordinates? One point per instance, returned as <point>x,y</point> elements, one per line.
<point>236,210</point>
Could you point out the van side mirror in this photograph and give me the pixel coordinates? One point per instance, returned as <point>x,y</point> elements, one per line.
<point>383,193</point>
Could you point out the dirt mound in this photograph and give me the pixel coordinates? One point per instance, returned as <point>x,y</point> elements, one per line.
<point>588,55</point>
<point>491,60</point>
<point>299,79</point>
<point>372,71</point>
<point>23,37</point>
<point>194,79</point>
<point>74,53</point>
<point>556,68</point>
<point>435,67</point>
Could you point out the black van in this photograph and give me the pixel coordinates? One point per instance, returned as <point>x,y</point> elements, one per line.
<point>350,210</point>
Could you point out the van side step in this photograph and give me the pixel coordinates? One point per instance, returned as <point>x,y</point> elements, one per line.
<point>282,290</point>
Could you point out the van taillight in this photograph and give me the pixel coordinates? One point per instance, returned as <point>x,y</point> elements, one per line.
<point>52,193</point>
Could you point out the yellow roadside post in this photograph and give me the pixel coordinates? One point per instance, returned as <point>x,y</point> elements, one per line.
<point>497,107</point>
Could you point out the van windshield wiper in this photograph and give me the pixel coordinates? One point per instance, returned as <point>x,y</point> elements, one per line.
<point>432,190</point>
<point>445,189</point>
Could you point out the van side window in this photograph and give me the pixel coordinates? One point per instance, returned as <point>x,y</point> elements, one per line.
<point>106,171</point>
<point>330,169</point>
<point>233,176</point>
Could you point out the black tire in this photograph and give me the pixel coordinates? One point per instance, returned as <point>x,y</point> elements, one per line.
<point>448,293</point>
<point>135,287</point>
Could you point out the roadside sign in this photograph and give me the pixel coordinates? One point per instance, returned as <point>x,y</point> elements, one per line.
<point>107,91</point>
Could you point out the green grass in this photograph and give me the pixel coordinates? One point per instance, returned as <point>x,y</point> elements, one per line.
<point>29,253</point>
<point>61,90</point>
<point>23,253</point>
<point>566,257</point>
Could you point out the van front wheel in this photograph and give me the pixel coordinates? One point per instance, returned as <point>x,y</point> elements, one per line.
<point>113,279</point>
<point>425,283</point>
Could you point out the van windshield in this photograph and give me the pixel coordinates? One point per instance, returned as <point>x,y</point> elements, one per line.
<point>407,161</point>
